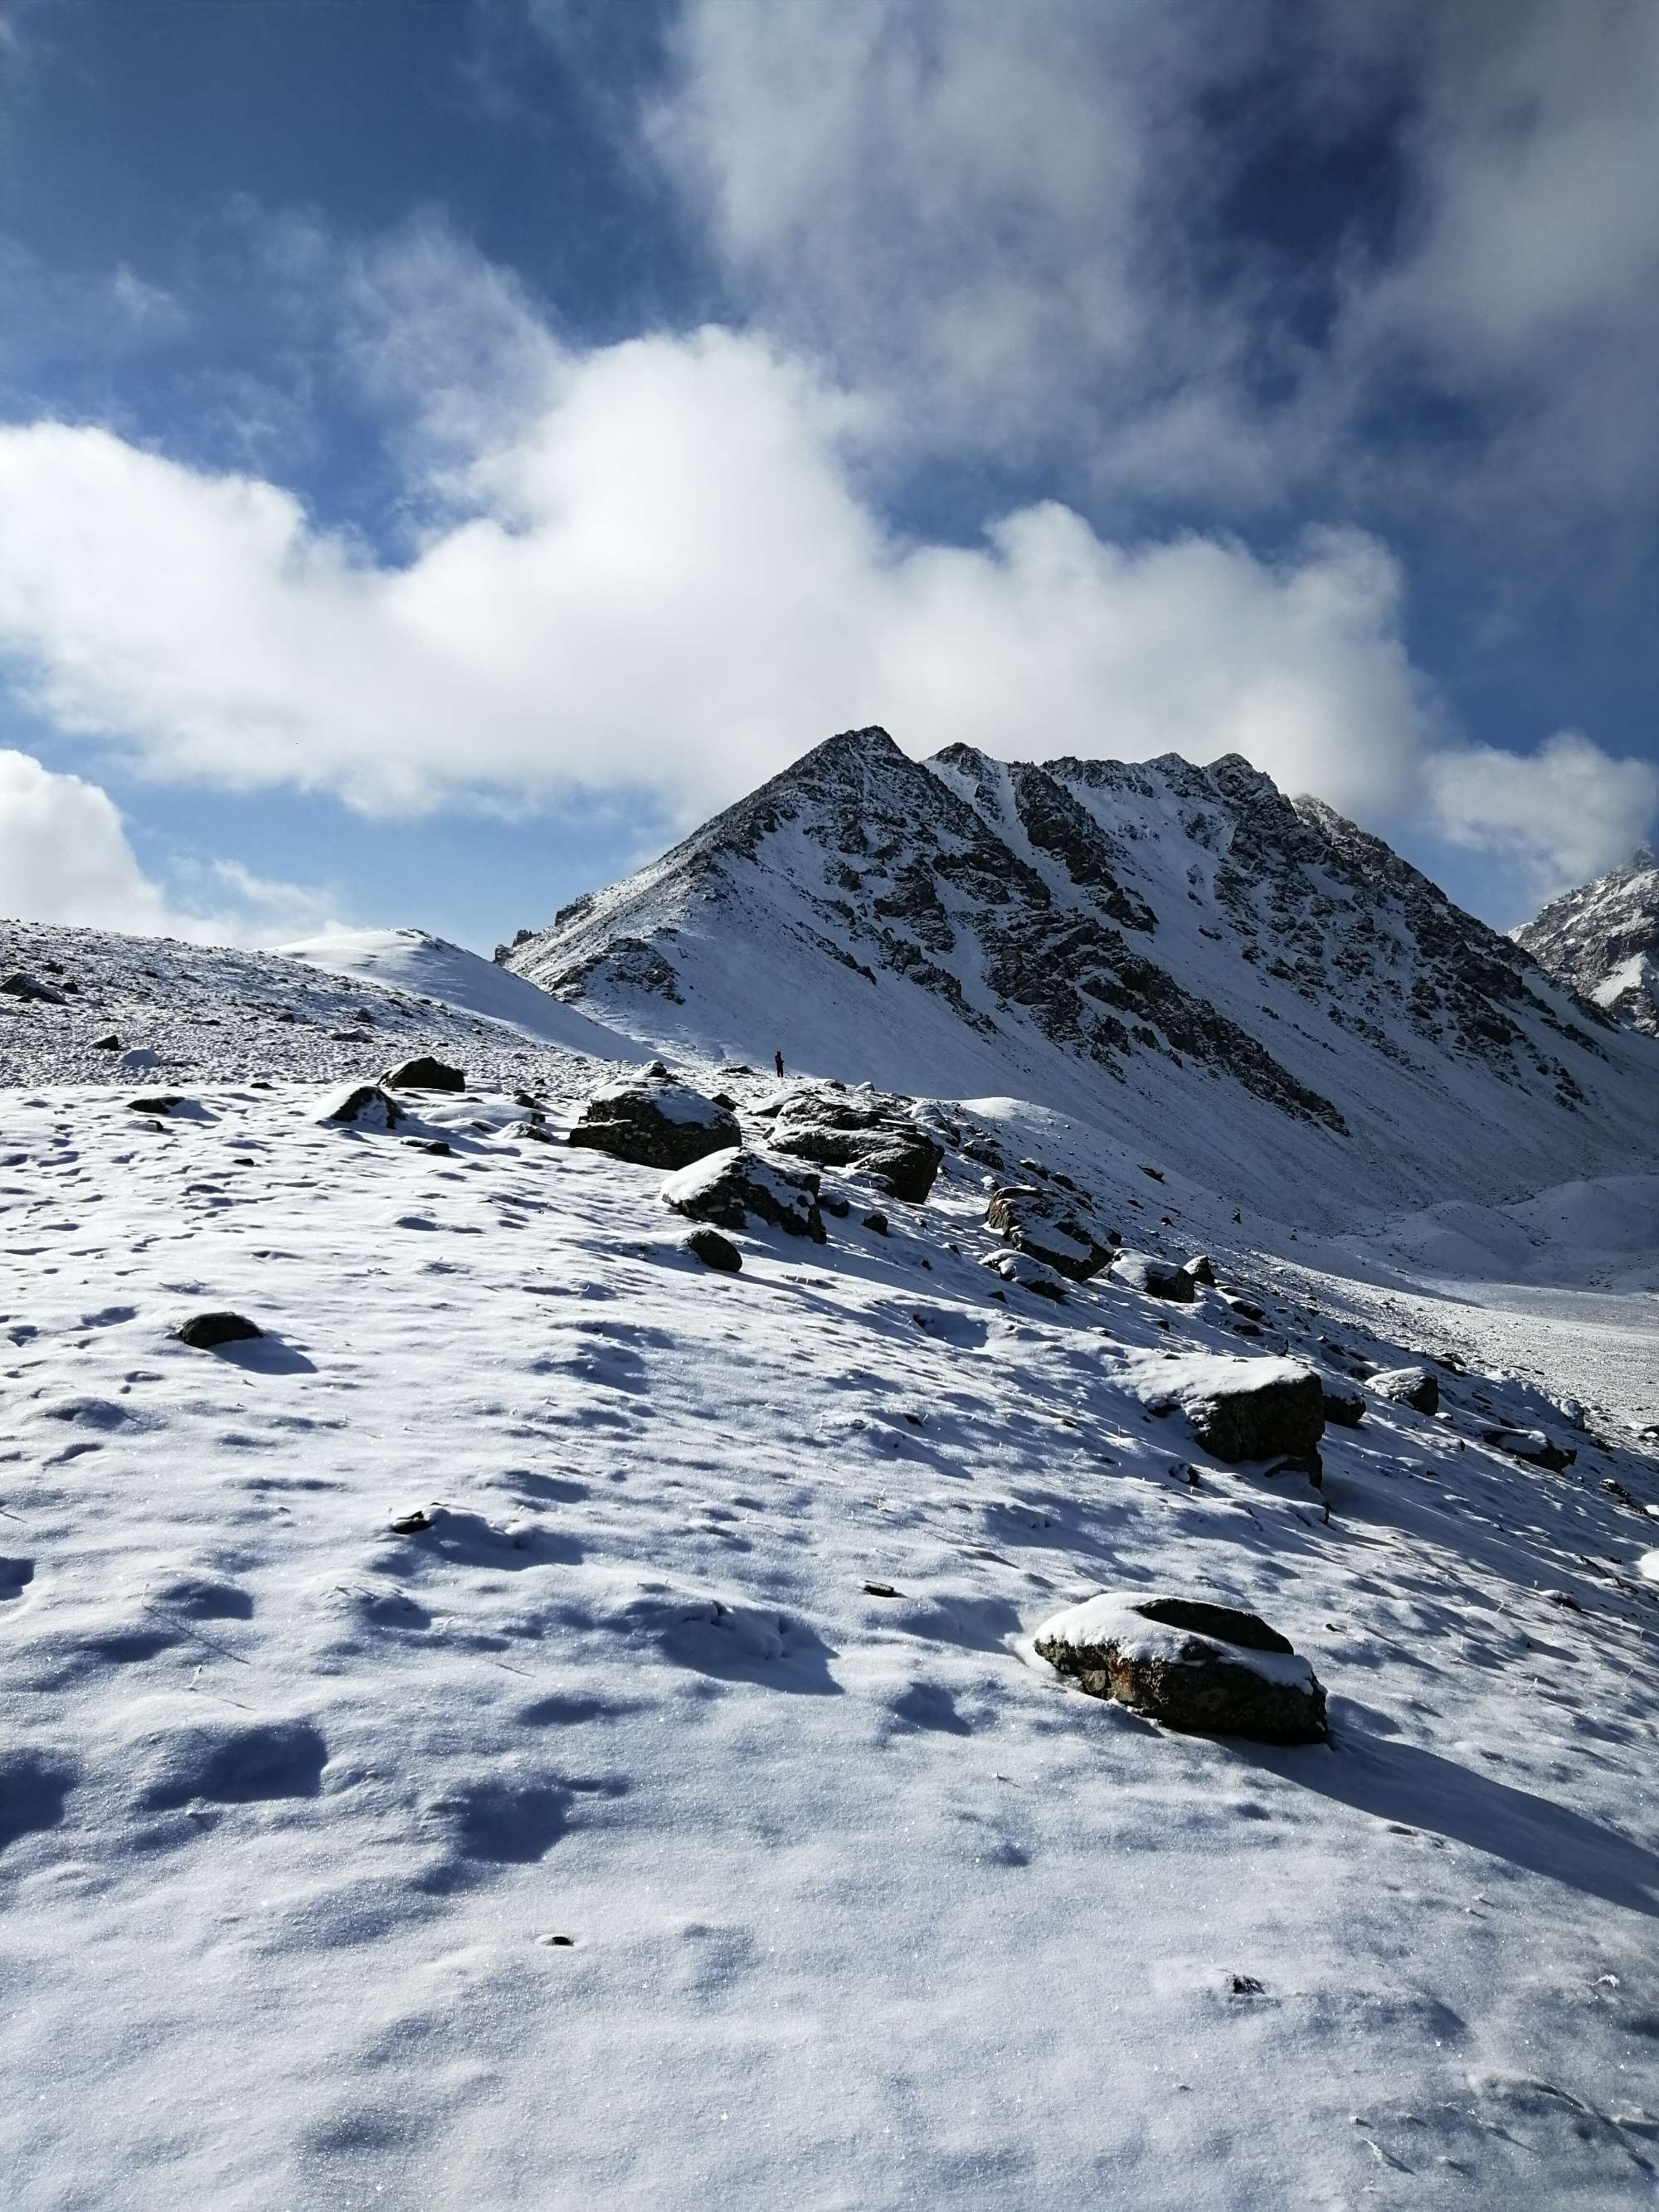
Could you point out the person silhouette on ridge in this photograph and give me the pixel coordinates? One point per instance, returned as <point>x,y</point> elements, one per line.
<point>777,1061</point>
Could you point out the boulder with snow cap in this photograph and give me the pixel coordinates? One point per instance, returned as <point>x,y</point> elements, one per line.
<point>1048,1228</point>
<point>1241,1409</point>
<point>729,1187</point>
<point>1153,1277</point>
<point>1028,1273</point>
<point>1531,1445</point>
<point>1408,1386</point>
<point>362,1106</point>
<point>1201,1268</point>
<point>867,1132</point>
<point>1194,1666</point>
<point>1344,1402</point>
<point>655,1121</point>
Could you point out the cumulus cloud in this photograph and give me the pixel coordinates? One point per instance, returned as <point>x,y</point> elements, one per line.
<point>1566,813</point>
<point>64,856</point>
<point>668,579</point>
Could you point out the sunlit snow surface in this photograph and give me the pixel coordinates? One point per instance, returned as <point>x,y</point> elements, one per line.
<point>865,1906</point>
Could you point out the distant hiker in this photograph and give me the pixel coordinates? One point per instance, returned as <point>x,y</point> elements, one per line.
<point>777,1061</point>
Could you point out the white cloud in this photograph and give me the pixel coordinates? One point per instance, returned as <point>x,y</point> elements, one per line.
<point>668,580</point>
<point>64,856</point>
<point>1563,815</point>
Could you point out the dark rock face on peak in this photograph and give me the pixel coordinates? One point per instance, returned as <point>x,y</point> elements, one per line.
<point>1603,940</point>
<point>1178,949</point>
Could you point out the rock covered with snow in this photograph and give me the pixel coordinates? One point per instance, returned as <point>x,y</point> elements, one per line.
<point>1154,1278</point>
<point>1194,1666</point>
<point>729,1187</point>
<point>1050,1228</point>
<point>866,1130</point>
<point>362,1106</point>
<point>1240,1409</point>
<point>655,1121</point>
<point>1534,1445</point>
<point>1416,1387</point>
<point>1029,1273</point>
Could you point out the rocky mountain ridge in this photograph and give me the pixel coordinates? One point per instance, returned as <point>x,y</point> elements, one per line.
<point>1177,952</point>
<point>1604,939</point>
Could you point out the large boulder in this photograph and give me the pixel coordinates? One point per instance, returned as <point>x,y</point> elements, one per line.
<point>729,1187</point>
<point>1242,1409</point>
<point>1028,1272</point>
<point>655,1122</point>
<point>1153,1277</point>
<point>1409,1385</point>
<point>1344,1402</point>
<point>362,1106</point>
<point>1048,1228</point>
<point>1531,1445</point>
<point>861,1130</point>
<point>23,985</point>
<point>1204,1669</point>
<point>425,1073</point>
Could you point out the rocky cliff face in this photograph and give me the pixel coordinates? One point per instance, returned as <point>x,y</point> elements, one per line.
<point>1181,951</point>
<point>1603,940</point>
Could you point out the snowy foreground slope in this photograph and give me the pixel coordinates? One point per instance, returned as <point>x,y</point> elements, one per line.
<point>682,1817</point>
<point>1176,954</point>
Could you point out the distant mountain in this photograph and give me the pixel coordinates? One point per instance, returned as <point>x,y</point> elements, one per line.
<point>1252,989</point>
<point>1604,939</point>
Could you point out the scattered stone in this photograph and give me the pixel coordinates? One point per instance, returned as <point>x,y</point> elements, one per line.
<point>425,1073</point>
<point>834,1202</point>
<point>363,1106</point>
<point>534,1130</point>
<point>163,1103</point>
<point>441,1146</point>
<point>880,1590</point>
<point>1157,1173</point>
<point>410,1525</point>
<point>877,1221</point>
<point>21,985</point>
<point>714,1250</point>
<point>1202,1270</point>
<point>1049,1229</point>
<point>1203,1669</point>
<point>110,1043</point>
<point>727,1186</point>
<point>655,1122</point>
<point>1245,1309</point>
<point>1154,1278</point>
<point>1531,1445</point>
<point>1409,1385</point>
<point>1344,1406</point>
<point>204,1332</point>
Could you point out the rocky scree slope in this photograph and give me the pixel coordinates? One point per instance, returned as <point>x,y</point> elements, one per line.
<point>1603,940</point>
<point>1180,954</point>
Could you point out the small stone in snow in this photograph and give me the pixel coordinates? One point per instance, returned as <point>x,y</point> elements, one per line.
<point>410,1525</point>
<point>714,1250</point>
<point>879,1589</point>
<point>110,1043</point>
<point>425,1073</point>
<point>877,1221</point>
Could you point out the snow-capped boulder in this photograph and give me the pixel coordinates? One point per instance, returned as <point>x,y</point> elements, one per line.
<point>1049,1229</point>
<point>1204,1669</point>
<point>1201,1268</point>
<point>1408,1386</point>
<point>727,1187</point>
<point>363,1106</point>
<point>873,1134</point>
<point>425,1073</point>
<point>1241,1409</point>
<point>1153,1277</point>
<point>1531,1445</point>
<point>655,1122</point>
<point>1028,1272</point>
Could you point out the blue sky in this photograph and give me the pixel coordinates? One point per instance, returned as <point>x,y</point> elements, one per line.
<point>449,446</point>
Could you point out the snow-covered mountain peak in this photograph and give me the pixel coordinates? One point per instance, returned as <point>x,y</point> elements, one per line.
<point>1176,952</point>
<point>1604,939</point>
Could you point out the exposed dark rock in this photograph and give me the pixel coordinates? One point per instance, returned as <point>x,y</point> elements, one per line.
<point>1201,1268</point>
<point>1409,1385</point>
<point>877,1221</point>
<point>21,985</point>
<point>655,1122</point>
<point>1531,1445</point>
<point>110,1043</point>
<point>206,1330</point>
<point>1249,1409</point>
<point>1345,1404</point>
<point>1028,1273</point>
<point>1193,1665</point>
<point>728,1188</point>
<point>873,1135</point>
<point>714,1250</point>
<point>425,1073</point>
<point>163,1103</point>
<point>365,1105</point>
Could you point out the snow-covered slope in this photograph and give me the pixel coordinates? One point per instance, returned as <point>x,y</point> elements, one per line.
<point>682,1816</point>
<point>417,965</point>
<point>1604,939</point>
<point>1267,995</point>
<point>101,1007</point>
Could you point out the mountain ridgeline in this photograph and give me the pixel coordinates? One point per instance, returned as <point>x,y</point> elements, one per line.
<point>1179,955</point>
<point>1604,939</point>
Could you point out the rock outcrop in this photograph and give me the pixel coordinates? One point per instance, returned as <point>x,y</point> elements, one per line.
<point>1049,1227</point>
